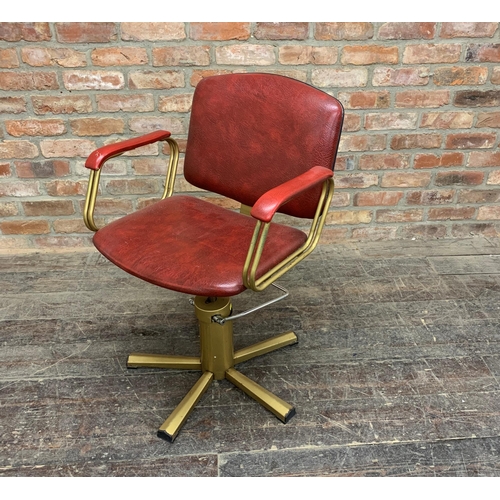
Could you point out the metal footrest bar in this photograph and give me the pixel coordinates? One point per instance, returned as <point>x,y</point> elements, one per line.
<point>267,399</point>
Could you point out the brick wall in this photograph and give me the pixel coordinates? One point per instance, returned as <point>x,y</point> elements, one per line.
<point>418,158</point>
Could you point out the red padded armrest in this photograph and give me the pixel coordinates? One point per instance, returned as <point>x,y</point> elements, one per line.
<point>99,156</point>
<point>267,205</point>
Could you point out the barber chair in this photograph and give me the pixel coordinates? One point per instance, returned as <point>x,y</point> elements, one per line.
<point>267,141</point>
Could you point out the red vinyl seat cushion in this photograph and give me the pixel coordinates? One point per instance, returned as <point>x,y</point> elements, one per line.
<point>192,246</point>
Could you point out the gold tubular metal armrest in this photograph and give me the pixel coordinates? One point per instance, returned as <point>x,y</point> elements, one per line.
<point>259,238</point>
<point>93,185</point>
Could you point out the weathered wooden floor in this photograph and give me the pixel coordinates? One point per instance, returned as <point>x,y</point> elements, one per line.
<point>397,370</point>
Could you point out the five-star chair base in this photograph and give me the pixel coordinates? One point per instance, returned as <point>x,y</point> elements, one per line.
<point>216,362</point>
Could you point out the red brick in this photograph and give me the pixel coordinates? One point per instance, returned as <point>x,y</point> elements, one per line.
<point>18,149</point>
<point>431,197</point>
<point>388,215</point>
<point>281,31</point>
<point>119,56</point>
<point>71,226</point>
<point>484,159</point>
<point>153,31</point>
<point>93,80</point>
<point>113,206</point>
<point>422,98</point>
<point>60,105</point>
<point>150,166</point>
<point>18,128</point>
<point>468,230</point>
<point>406,31</point>
<point>248,54</point>
<point>416,141</point>
<point>182,56</point>
<point>341,199</point>
<point>162,79</point>
<point>149,124</point>
<point>176,103</point>
<point>362,143</point>
<point>132,186</point>
<point>8,209</point>
<point>58,242</point>
<point>67,148</point>
<point>12,105</point>
<point>400,76</point>
<point>405,179</point>
<point>339,77</point>
<point>129,102</point>
<point>491,119</point>
<point>383,161</point>
<point>93,32</point>
<point>470,140</point>
<point>488,52</point>
<point>219,31</point>
<point>484,197</point>
<point>198,75</point>
<point>67,188</point>
<point>8,58</point>
<point>300,75</point>
<point>447,120</point>
<point>352,123</point>
<point>369,54</point>
<point>331,235</point>
<point>97,126</point>
<point>355,181</point>
<point>494,177</point>
<point>475,98</point>
<point>46,56</point>
<point>424,231</point>
<point>432,160</point>
<point>25,226</point>
<point>343,31</point>
<point>23,80</point>
<point>451,213</point>
<point>469,30</point>
<point>365,100</point>
<point>377,198</point>
<point>29,32</point>
<point>489,213</point>
<point>5,170</point>
<point>376,233</point>
<point>19,189</point>
<point>459,178</point>
<point>495,76</point>
<point>349,217</point>
<point>306,54</point>
<point>52,207</point>
<point>432,53</point>
<point>457,75</point>
<point>388,121</point>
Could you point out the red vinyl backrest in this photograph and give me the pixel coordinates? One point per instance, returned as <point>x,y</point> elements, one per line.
<point>249,133</point>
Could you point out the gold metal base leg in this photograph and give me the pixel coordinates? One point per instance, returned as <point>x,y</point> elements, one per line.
<point>267,399</point>
<point>265,346</point>
<point>139,360</point>
<point>174,422</point>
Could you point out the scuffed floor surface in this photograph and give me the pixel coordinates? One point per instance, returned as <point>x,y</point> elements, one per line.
<point>396,372</point>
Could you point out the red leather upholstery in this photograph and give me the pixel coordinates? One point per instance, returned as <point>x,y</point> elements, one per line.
<point>251,132</point>
<point>192,246</point>
<point>99,156</point>
<point>268,204</point>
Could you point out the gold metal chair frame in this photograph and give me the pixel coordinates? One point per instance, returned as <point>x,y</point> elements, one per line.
<point>218,359</point>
